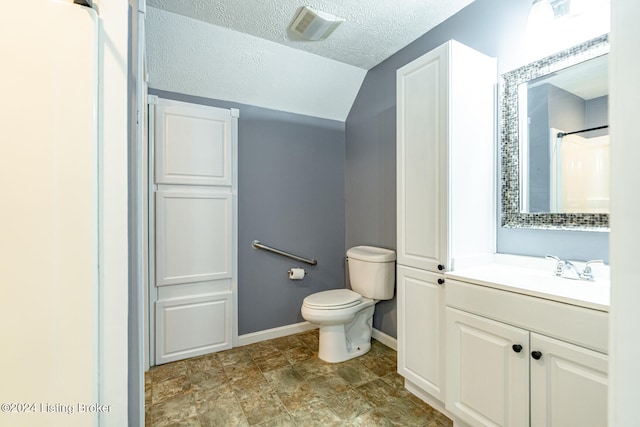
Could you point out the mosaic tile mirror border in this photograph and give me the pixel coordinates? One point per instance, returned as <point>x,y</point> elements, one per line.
<point>509,144</point>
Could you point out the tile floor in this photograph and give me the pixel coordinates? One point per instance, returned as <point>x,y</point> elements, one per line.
<point>281,382</point>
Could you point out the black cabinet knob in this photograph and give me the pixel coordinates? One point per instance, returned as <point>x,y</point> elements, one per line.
<point>517,348</point>
<point>440,281</point>
<point>536,355</point>
<point>440,267</point>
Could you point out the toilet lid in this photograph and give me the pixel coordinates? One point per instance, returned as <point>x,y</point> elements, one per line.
<point>333,299</point>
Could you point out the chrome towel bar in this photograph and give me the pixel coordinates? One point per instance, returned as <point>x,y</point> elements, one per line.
<point>257,245</point>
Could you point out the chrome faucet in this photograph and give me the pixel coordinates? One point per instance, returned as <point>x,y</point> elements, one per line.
<point>564,268</point>
<point>561,265</point>
<point>587,274</point>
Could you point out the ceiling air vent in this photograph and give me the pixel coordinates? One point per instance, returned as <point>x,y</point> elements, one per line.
<point>313,24</point>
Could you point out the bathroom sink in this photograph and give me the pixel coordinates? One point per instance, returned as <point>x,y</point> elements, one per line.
<point>535,276</point>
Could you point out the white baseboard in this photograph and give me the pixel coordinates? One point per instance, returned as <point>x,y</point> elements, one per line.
<point>269,334</point>
<point>296,328</point>
<point>385,339</point>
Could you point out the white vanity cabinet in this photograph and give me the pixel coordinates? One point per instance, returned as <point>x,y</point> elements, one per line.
<point>516,360</point>
<point>445,195</point>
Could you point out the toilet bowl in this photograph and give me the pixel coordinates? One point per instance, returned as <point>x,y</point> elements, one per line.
<point>345,316</point>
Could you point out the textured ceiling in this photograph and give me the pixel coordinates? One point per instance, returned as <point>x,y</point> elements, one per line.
<point>373,30</point>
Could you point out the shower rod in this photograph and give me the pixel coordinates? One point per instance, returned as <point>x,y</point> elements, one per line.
<point>563,134</point>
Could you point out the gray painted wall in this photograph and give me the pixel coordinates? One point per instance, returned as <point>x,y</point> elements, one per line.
<point>494,27</point>
<point>291,175</point>
<point>597,114</point>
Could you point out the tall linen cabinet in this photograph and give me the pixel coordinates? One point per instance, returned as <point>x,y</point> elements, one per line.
<point>446,103</point>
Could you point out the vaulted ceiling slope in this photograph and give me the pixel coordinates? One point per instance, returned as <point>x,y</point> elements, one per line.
<point>196,58</point>
<point>241,51</point>
<point>372,31</point>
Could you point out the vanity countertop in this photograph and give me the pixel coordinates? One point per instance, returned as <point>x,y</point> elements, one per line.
<point>534,277</point>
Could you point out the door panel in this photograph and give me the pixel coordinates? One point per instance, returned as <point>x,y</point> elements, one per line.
<point>189,327</point>
<point>422,162</point>
<point>420,329</point>
<point>487,381</point>
<point>193,236</point>
<point>568,385</point>
<point>192,144</point>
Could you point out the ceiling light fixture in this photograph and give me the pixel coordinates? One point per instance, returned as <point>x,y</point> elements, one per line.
<point>314,24</point>
<point>541,13</point>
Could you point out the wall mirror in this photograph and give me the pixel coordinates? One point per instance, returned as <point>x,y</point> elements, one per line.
<point>555,141</point>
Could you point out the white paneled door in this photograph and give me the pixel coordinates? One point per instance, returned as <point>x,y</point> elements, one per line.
<point>194,230</point>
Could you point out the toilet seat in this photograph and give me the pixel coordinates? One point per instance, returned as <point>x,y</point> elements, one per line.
<point>335,299</point>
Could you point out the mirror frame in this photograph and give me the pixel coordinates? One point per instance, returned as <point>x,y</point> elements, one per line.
<point>510,145</point>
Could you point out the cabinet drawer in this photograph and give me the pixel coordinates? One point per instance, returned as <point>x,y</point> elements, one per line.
<point>578,325</point>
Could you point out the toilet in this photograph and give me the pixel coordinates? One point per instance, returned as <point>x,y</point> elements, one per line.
<point>345,316</point>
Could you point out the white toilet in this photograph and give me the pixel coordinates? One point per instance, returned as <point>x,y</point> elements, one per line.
<point>345,316</point>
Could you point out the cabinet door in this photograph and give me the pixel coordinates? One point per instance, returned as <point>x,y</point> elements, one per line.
<point>188,327</point>
<point>192,144</point>
<point>194,236</point>
<point>487,378</point>
<point>420,329</point>
<point>568,385</point>
<point>422,134</point>
<point>194,245</point>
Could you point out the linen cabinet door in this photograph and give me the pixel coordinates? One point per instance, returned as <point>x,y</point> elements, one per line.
<point>422,162</point>
<point>420,329</point>
<point>194,273</point>
<point>568,384</point>
<point>487,371</point>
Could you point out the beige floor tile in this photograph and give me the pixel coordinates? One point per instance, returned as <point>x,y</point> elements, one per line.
<point>282,383</point>
<point>249,386</point>
<point>328,384</point>
<point>317,414</point>
<point>348,405</point>
<point>285,380</point>
<point>405,413</point>
<point>283,421</point>
<point>271,361</point>
<point>371,419</point>
<point>298,354</point>
<point>225,412</point>
<point>168,370</point>
<point>262,349</point>
<point>172,411</point>
<point>300,398</point>
<point>263,407</point>
<point>355,373</point>
<point>169,388</point>
<point>378,393</point>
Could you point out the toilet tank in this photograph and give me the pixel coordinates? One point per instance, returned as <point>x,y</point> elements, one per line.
<point>372,271</point>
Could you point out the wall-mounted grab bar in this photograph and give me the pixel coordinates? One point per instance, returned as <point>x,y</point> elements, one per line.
<point>257,245</point>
